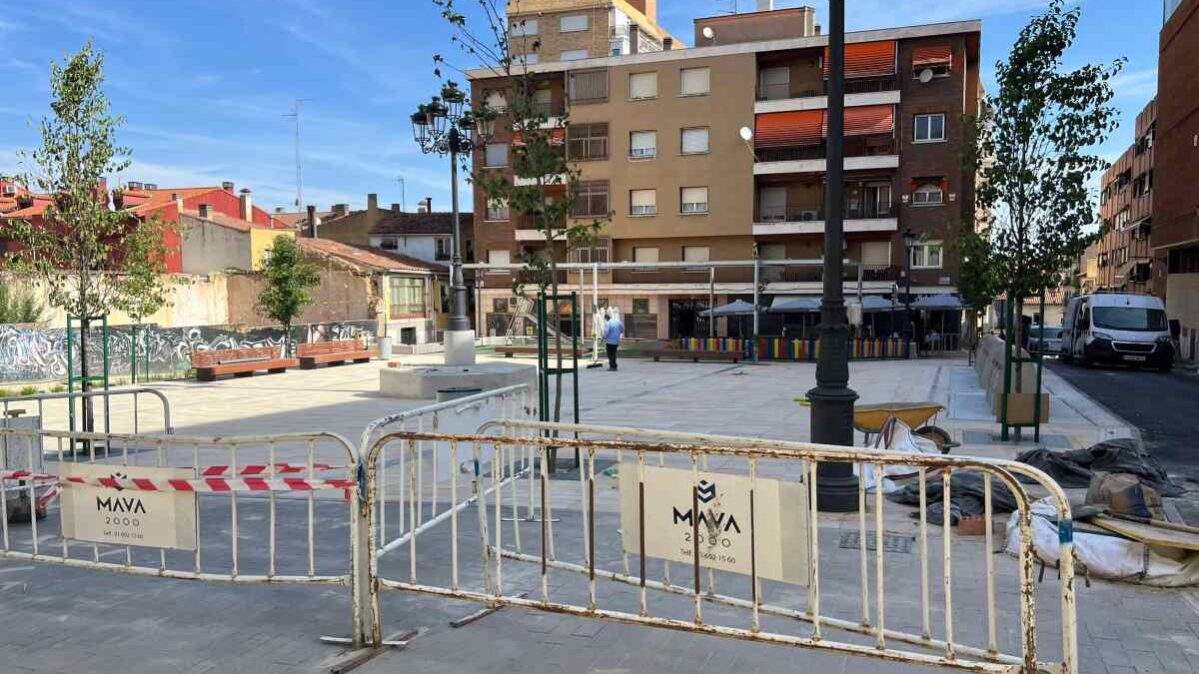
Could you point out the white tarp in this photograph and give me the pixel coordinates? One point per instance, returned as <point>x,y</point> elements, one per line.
<point>896,436</point>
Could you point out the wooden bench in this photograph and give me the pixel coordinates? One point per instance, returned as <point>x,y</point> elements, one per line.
<point>334,353</point>
<point>510,351</point>
<point>239,362</point>
<point>693,356</point>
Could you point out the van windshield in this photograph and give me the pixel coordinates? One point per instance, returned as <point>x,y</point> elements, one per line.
<point>1130,318</point>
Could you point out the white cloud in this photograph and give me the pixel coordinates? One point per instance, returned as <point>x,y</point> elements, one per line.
<point>1138,84</point>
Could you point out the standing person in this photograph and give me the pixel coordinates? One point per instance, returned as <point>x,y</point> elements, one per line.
<point>613,331</point>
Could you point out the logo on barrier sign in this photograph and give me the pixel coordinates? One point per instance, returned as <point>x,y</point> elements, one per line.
<point>707,491</point>
<point>113,513</point>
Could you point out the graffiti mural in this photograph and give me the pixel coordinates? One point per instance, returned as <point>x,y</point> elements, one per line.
<point>40,354</point>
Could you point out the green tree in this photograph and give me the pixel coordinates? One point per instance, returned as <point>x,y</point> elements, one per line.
<point>546,197</point>
<point>18,305</point>
<point>77,249</point>
<point>1031,154</point>
<point>148,283</point>
<point>978,281</point>
<point>288,282</point>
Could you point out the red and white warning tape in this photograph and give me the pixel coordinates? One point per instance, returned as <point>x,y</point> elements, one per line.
<point>259,469</point>
<point>210,484</point>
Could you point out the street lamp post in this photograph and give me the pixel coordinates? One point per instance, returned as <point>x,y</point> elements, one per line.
<point>447,126</point>
<point>832,399</point>
<point>909,242</point>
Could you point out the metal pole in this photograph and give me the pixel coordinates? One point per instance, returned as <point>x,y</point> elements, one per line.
<point>711,301</point>
<point>832,399</point>
<point>458,321</point>
<point>757,282</point>
<point>907,302</point>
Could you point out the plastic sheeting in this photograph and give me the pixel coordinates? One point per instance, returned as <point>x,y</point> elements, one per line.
<point>1105,556</point>
<point>1075,468</point>
<point>966,497</point>
<point>898,437</point>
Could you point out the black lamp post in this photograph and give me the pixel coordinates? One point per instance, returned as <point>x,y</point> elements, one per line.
<point>909,242</point>
<point>832,399</point>
<point>446,126</point>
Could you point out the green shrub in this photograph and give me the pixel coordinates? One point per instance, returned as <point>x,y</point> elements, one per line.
<point>29,391</point>
<point>18,306</point>
<point>58,388</point>
<point>5,393</point>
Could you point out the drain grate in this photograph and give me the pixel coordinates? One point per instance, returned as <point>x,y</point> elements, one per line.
<point>891,542</point>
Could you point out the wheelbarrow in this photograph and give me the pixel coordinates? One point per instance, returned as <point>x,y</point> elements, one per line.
<point>869,420</point>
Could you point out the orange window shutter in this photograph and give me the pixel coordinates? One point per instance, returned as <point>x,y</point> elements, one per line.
<point>866,59</point>
<point>868,120</point>
<point>932,55</point>
<point>785,129</point>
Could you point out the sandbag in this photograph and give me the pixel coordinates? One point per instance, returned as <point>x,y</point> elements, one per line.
<point>1074,468</point>
<point>966,497</point>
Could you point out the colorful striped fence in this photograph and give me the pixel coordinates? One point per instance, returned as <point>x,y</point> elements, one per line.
<point>780,348</point>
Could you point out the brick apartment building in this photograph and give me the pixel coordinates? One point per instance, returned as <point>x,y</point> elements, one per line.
<point>1175,237</point>
<point>656,136</point>
<point>1123,256</point>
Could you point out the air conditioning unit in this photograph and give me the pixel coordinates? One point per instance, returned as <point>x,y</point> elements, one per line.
<point>10,190</point>
<point>809,216</point>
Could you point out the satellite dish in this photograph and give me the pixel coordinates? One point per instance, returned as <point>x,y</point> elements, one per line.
<point>709,33</point>
<point>747,134</point>
<point>926,75</point>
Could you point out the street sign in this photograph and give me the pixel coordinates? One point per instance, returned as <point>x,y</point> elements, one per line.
<point>155,519</point>
<point>779,519</point>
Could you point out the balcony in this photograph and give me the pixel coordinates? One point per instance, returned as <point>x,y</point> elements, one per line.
<point>861,153</point>
<point>785,96</point>
<point>559,180</point>
<point>810,219</point>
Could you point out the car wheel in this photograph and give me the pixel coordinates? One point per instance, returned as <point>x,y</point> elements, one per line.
<point>1165,369</point>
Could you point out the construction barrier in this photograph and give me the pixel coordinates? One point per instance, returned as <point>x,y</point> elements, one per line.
<point>38,404</point>
<point>746,502</point>
<point>782,348</point>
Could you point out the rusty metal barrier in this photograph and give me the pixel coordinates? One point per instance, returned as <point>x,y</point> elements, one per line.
<point>158,505</point>
<point>764,516</point>
<point>72,399</point>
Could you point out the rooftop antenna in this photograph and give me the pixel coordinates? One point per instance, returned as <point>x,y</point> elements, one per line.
<point>295,114</point>
<point>403,196</point>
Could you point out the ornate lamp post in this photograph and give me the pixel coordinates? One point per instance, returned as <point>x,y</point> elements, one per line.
<point>909,242</point>
<point>447,126</point>
<point>832,399</point>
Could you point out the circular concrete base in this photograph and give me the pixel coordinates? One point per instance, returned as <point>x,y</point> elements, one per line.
<point>423,382</point>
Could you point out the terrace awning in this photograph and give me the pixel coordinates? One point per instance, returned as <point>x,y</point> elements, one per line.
<point>866,59</point>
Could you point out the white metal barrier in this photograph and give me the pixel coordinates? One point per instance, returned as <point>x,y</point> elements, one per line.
<point>40,403</point>
<point>754,603</point>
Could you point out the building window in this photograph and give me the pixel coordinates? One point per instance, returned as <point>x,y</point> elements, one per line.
<point>574,55</point>
<point>694,141</point>
<point>496,155</point>
<point>696,254</point>
<point>1122,217</point>
<point>641,306</point>
<point>645,255</point>
<point>930,128</point>
<point>643,202</point>
<point>927,255</point>
<point>388,244</point>
<point>591,201</point>
<point>526,59</point>
<point>524,27</point>
<point>600,252</point>
<point>406,297</point>
<point>496,100</point>
<point>876,254</point>
<point>774,83</point>
<point>499,257</point>
<point>588,86</point>
<point>587,142</point>
<point>928,194</point>
<point>543,102</point>
<point>695,81</point>
<point>643,144</point>
<point>497,210</point>
<point>574,23</point>
<point>643,86</point>
<point>693,200</point>
<point>772,204</point>
<point>441,249</point>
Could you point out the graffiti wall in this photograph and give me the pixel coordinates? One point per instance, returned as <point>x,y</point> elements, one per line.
<point>30,354</point>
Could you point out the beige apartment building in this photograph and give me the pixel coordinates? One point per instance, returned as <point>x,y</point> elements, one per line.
<point>541,31</point>
<point>657,137</point>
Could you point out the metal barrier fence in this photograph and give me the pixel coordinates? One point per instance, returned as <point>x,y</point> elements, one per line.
<point>160,505</point>
<point>764,518</point>
<point>77,398</point>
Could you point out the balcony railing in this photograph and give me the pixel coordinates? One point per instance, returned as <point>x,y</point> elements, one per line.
<point>784,90</point>
<point>854,147</point>
<point>815,213</point>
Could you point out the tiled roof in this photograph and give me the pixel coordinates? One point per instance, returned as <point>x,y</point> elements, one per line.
<point>300,219</point>
<point>143,201</point>
<point>218,218</point>
<point>368,257</point>
<point>408,224</point>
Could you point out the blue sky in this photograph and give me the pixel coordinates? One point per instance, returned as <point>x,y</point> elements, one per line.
<point>206,85</point>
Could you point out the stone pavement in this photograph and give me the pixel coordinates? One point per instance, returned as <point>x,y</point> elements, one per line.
<point>77,620</point>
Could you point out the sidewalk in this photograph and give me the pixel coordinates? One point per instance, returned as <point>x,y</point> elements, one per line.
<point>78,620</point>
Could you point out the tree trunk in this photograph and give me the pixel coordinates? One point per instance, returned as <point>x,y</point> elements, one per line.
<point>89,425</point>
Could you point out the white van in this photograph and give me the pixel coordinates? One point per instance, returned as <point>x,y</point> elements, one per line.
<point>1117,328</point>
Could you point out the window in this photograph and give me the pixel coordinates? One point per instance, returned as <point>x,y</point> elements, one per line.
<point>496,100</point>
<point>774,83</point>
<point>693,200</point>
<point>643,86</point>
<point>928,194</point>
<point>643,144</point>
<point>695,141</point>
<point>497,210</point>
<point>498,257</point>
<point>591,200</point>
<point>641,306</point>
<point>643,202</point>
<point>772,204</point>
<point>588,86</point>
<point>930,128</point>
<point>574,55</point>
<point>695,81</point>
<point>587,141</point>
<point>600,252</point>
<point>573,23</point>
<point>496,155</point>
<point>543,102</point>
<point>524,27</point>
<point>876,253</point>
<point>406,297</point>
<point>645,255</point>
<point>772,251</point>
<point>388,244</point>
<point>696,254</point>
<point>526,59</point>
<point>927,255</point>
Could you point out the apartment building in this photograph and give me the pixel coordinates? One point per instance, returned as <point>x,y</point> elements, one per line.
<point>1123,256</point>
<point>1175,237</point>
<point>571,30</point>
<point>658,140</point>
